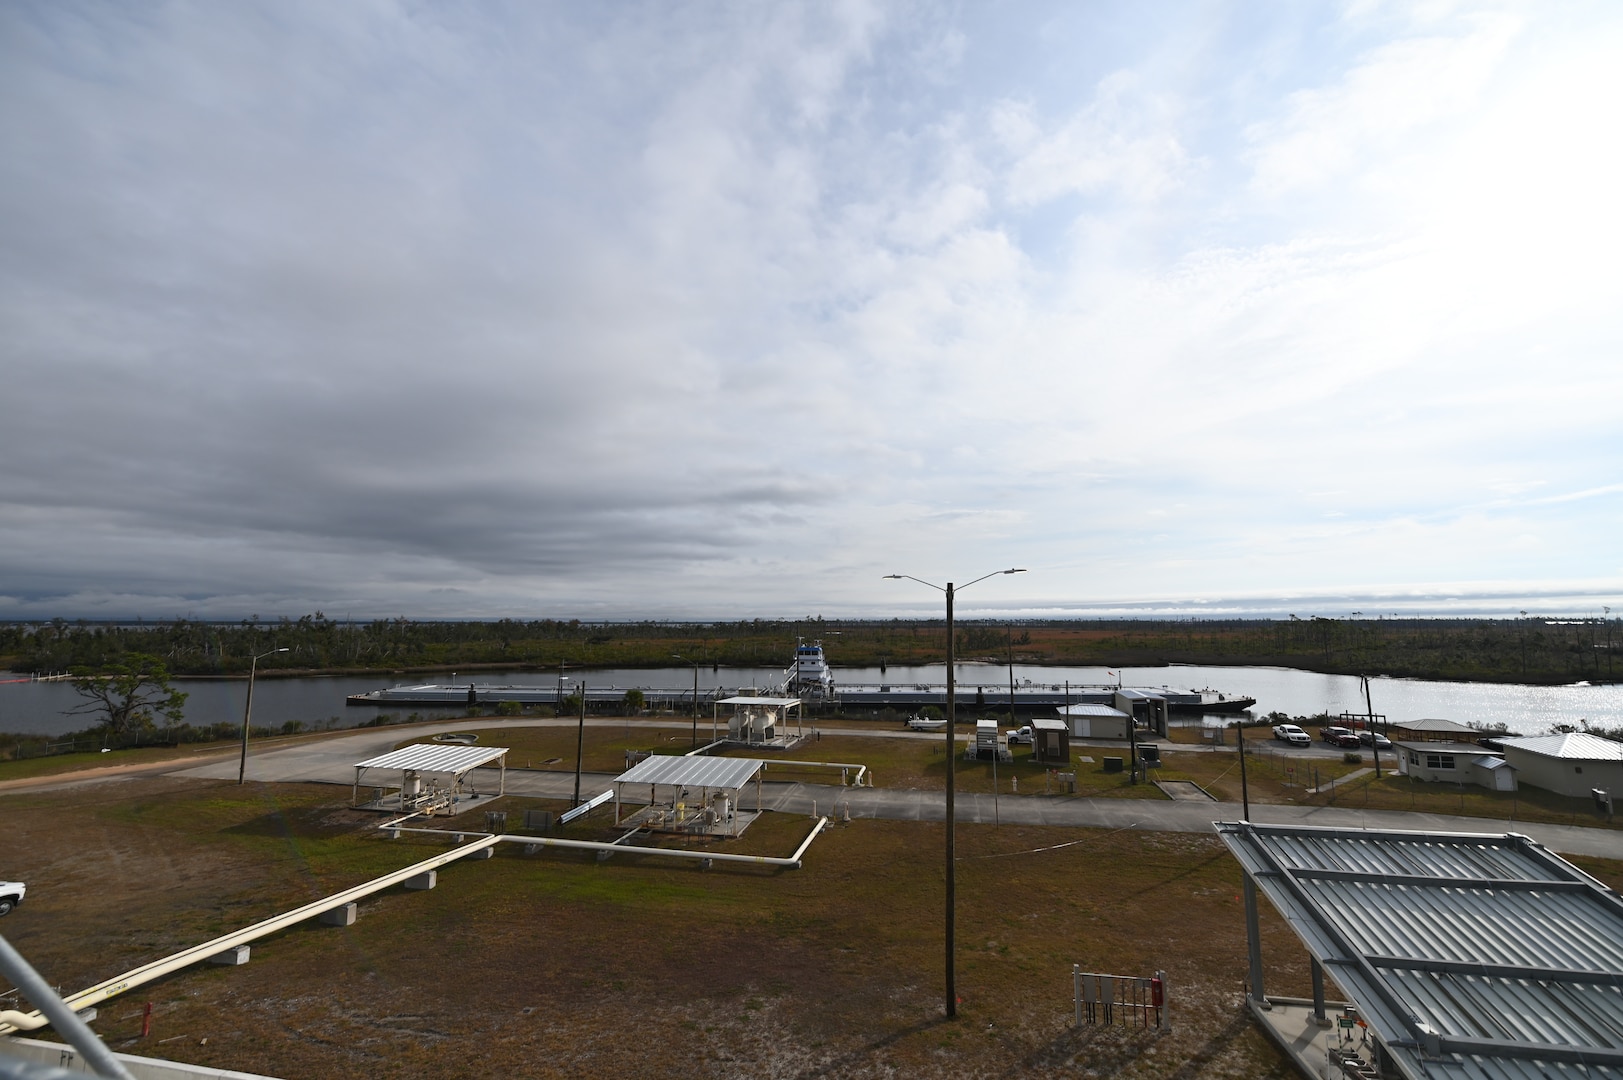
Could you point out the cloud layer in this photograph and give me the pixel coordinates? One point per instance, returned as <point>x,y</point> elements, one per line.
<point>703,311</point>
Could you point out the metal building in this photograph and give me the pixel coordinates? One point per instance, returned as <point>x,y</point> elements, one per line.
<point>1468,956</point>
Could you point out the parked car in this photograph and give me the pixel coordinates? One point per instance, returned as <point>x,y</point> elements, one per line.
<point>1339,736</point>
<point>11,894</point>
<point>1292,734</point>
<point>1375,739</point>
<point>1020,735</point>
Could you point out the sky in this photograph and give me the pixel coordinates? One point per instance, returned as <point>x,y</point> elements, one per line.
<point>728,310</point>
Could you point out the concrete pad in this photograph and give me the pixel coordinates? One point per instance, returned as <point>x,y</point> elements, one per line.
<point>1316,1049</point>
<point>340,916</point>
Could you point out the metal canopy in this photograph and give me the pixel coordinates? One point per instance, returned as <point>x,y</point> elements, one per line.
<point>442,758</point>
<point>702,772</point>
<point>779,702</point>
<point>1470,955</point>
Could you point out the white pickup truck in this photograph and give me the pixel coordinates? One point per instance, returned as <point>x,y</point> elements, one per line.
<point>11,894</point>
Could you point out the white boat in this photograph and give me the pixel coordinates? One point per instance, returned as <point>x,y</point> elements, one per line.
<point>809,675</point>
<point>924,723</point>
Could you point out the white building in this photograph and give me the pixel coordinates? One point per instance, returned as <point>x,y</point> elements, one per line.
<point>1575,764</point>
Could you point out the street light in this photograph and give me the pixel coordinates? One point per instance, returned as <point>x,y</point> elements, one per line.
<point>695,663</point>
<point>248,711</point>
<point>952,708</point>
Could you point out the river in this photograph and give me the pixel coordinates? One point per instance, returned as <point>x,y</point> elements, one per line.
<point>39,708</point>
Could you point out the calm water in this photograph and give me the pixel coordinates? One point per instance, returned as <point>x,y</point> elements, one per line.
<point>319,702</point>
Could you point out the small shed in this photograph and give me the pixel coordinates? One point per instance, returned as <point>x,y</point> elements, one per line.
<point>1050,739</point>
<point>690,794</point>
<point>433,777</point>
<point>1575,764</point>
<point>1095,721</point>
<point>1144,706</point>
<point>762,720</point>
<point>1434,730</point>
<point>1454,763</point>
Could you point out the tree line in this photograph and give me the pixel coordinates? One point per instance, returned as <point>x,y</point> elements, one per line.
<point>1529,649</point>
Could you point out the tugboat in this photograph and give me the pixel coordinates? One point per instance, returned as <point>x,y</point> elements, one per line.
<point>809,676</point>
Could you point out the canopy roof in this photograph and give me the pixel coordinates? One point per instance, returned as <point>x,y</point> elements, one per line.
<point>711,772</point>
<point>443,758</point>
<point>1479,956</point>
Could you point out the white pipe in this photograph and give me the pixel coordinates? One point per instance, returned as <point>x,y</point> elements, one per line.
<point>11,1020</point>
<point>66,1021</point>
<point>792,861</point>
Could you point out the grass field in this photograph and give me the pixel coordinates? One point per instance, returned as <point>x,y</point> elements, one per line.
<point>555,964</point>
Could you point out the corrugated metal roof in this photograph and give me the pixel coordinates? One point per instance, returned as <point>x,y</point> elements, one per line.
<point>1447,726</point>
<point>1510,955</point>
<point>712,772</point>
<point>435,758</point>
<point>780,702</point>
<point>1092,710</point>
<point>1572,746</point>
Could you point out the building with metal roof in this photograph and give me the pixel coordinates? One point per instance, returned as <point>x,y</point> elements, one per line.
<point>433,776</point>
<point>1443,730</point>
<point>1469,956</point>
<point>1576,763</point>
<point>1455,763</point>
<point>1096,721</point>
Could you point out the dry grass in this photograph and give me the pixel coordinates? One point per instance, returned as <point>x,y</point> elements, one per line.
<point>557,965</point>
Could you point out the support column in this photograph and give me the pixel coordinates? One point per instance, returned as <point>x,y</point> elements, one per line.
<point>1253,942</point>
<point>1318,992</point>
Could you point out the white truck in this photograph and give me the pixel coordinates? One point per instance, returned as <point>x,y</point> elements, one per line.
<point>11,894</point>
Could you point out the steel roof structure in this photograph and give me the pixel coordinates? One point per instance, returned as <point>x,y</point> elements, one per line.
<point>442,758</point>
<point>1471,956</point>
<point>701,772</point>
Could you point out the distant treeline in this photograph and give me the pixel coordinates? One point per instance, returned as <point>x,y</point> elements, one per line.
<point>1531,650</point>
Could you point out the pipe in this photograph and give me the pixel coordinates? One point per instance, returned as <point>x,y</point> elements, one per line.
<point>64,1019</point>
<point>18,1021</point>
<point>793,861</point>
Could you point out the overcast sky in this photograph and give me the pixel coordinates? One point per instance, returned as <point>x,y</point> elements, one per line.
<point>726,310</point>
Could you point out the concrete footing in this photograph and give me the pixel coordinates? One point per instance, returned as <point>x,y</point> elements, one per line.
<point>340,916</point>
<point>231,957</point>
<point>426,880</point>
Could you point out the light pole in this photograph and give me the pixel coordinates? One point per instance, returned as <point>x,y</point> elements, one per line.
<point>695,663</point>
<point>248,711</point>
<point>952,707</point>
<point>580,742</point>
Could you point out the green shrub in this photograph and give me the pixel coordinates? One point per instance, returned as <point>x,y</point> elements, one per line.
<point>1353,757</point>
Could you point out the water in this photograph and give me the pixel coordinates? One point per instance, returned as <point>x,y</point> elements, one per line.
<point>317,702</point>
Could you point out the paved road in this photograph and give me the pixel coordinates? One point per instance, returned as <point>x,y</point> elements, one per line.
<point>333,760</point>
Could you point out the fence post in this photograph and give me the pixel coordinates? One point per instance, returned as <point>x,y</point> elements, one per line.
<point>1166,1002</point>
<point>1076,992</point>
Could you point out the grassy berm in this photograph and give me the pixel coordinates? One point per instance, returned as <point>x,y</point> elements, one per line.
<point>556,965</point>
